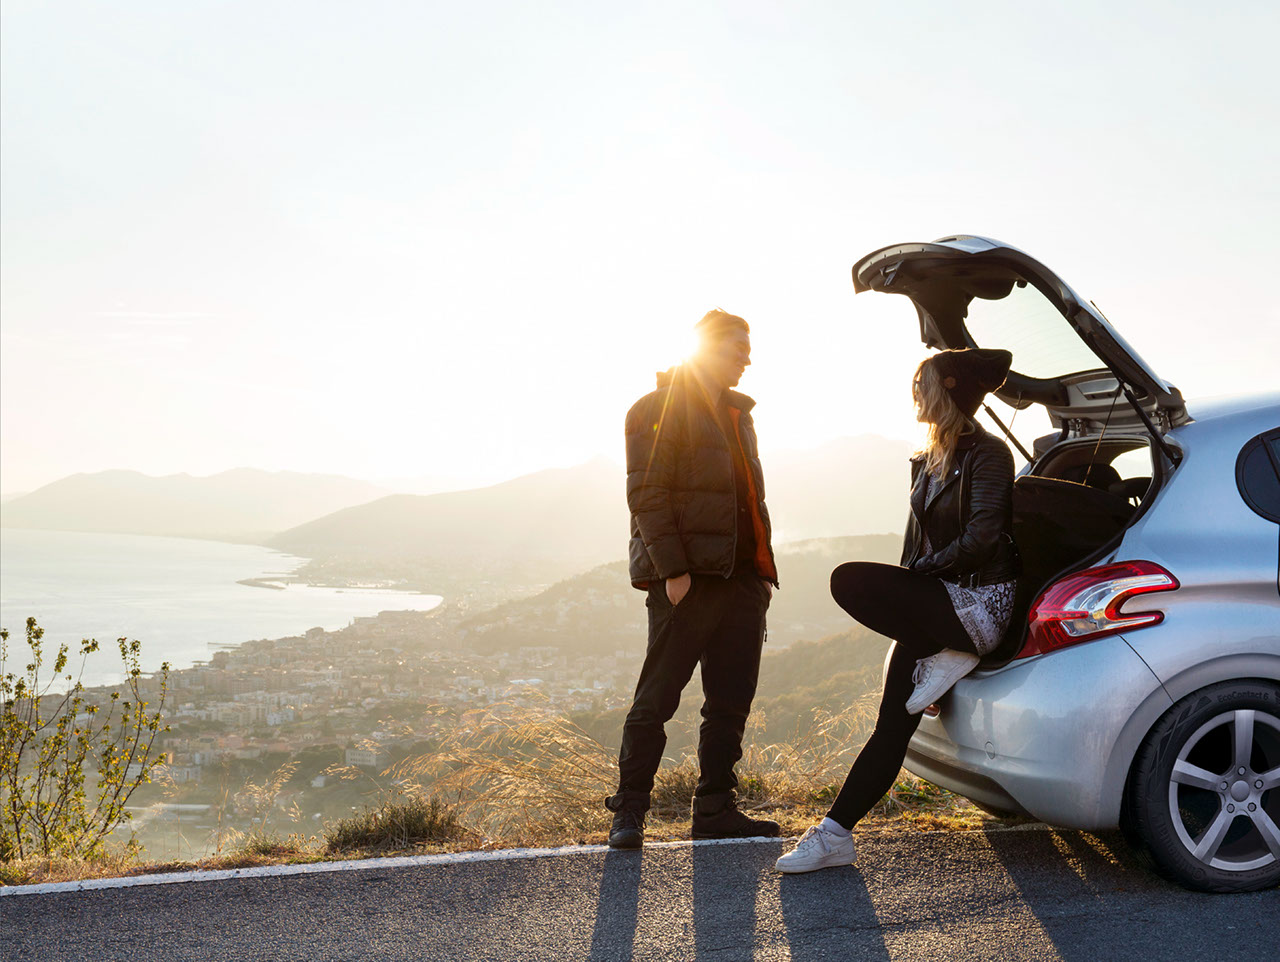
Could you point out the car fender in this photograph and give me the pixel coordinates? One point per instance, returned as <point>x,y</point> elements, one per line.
<point>1234,667</point>
<point>1152,709</point>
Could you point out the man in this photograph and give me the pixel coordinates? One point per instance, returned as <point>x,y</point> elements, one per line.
<point>700,548</point>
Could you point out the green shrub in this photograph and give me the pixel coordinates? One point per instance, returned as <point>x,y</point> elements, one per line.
<point>50,741</point>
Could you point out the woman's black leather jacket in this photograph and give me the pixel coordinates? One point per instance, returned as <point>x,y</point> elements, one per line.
<point>969,516</point>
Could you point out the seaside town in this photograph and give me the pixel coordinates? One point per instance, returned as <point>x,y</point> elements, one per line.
<point>341,707</point>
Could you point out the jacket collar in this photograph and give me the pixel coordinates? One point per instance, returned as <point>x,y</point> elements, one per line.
<point>967,441</point>
<point>681,378</point>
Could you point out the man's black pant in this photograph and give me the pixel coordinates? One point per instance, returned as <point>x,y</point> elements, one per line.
<point>719,625</point>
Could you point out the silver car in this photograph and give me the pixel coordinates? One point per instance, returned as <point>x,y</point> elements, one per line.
<point>1139,684</point>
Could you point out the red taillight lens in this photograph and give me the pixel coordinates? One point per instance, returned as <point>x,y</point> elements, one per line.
<point>1086,605</point>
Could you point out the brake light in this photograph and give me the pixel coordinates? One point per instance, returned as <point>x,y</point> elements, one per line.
<point>1086,605</point>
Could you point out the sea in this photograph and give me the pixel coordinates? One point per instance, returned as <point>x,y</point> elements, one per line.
<point>178,596</point>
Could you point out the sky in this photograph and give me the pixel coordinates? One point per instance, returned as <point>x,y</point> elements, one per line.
<point>454,242</point>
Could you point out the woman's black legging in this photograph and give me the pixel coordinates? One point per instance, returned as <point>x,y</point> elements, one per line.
<point>916,612</point>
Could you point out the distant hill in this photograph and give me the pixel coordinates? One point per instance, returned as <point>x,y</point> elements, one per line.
<point>552,524</point>
<point>547,525</point>
<point>599,611</point>
<point>803,607</point>
<point>855,485</point>
<point>244,504</point>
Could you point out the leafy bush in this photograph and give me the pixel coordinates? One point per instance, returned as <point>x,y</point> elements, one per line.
<point>50,742</point>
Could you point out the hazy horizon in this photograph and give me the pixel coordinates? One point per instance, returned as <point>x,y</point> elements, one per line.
<point>426,484</point>
<point>456,243</point>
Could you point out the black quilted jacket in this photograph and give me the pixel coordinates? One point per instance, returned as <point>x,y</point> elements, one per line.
<point>969,516</point>
<point>680,481</point>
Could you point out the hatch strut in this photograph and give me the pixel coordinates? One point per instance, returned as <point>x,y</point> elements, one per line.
<point>1008,433</point>
<point>1174,458</point>
<point>1103,433</point>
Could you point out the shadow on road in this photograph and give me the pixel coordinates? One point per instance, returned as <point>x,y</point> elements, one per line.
<point>829,915</point>
<point>724,901</point>
<point>1094,869</point>
<point>617,905</point>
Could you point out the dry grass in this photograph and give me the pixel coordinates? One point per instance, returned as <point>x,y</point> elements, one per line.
<point>514,776</point>
<point>251,851</point>
<point>522,775</point>
<point>398,824</point>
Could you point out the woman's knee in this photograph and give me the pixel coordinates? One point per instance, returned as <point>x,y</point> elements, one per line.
<point>851,586</point>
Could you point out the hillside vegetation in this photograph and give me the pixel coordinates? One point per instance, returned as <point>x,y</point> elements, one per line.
<point>599,611</point>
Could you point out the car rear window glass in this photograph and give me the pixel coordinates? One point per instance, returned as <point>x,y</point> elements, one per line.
<point>1043,343</point>
<point>1258,474</point>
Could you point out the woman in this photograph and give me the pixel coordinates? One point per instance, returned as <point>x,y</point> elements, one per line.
<point>950,600</point>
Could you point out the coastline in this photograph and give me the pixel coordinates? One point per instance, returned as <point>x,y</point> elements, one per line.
<point>180,597</point>
<point>261,583</point>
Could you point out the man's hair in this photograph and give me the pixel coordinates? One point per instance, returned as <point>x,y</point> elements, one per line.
<point>716,324</point>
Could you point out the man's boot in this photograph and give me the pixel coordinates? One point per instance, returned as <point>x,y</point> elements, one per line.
<point>717,816</point>
<point>629,808</point>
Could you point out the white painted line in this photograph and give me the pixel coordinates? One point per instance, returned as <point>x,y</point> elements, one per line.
<point>399,861</point>
<point>406,861</point>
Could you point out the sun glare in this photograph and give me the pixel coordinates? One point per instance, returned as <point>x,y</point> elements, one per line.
<point>689,347</point>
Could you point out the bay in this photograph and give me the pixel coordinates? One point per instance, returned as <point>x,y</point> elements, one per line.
<point>178,596</point>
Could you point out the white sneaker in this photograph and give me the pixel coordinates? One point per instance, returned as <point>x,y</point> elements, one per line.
<point>935,675</point>
<point>817,849</point>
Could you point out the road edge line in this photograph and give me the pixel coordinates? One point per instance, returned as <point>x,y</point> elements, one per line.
<point>394,861</point>
<point>352,865</point>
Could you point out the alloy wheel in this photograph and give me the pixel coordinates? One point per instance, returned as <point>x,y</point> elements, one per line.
<point>1222,796</point>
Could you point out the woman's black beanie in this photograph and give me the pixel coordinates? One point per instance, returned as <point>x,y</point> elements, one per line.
<point>970,374</point>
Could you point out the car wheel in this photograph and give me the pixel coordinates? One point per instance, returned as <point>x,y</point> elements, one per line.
<point>1204,792</point>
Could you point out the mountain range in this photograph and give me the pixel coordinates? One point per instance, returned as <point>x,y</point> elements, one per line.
<point>244,504</point>
<point>558,522</point>
<point>563,521</point>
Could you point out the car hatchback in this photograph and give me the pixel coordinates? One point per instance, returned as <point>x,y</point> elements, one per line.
<point>1138,685</point>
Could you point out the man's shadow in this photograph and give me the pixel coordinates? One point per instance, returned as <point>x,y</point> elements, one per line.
<point>725,880</point>
<point>617,906</point>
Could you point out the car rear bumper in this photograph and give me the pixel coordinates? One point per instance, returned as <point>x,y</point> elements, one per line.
<point>1051,736</point>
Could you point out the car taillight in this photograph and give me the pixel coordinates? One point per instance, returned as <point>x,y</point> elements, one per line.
<point>1086,605</point>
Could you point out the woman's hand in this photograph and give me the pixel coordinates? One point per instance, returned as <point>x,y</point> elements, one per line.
<point>926,565</point>
<point>678,587</point>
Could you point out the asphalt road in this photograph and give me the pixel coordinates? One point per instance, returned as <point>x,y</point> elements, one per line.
<point>1004,895</point>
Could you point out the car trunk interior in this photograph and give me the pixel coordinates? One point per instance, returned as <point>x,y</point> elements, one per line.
<point>1090,481</point>
<point>1073,502</point>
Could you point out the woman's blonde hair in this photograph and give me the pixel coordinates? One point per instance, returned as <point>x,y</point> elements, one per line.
<point>945,421</point>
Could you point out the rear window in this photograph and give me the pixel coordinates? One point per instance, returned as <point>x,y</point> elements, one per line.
<point>1258,474</point>
<point>1043,343</point>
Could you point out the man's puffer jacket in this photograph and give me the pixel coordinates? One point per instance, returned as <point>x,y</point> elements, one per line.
<point>969,516</point>
<point>680,481</point>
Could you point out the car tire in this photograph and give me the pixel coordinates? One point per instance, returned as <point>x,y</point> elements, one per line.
<point>1203,797</point>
